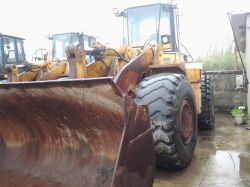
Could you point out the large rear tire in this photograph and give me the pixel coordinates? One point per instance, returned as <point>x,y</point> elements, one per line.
<point>173,117</point>
<point>206,117</point>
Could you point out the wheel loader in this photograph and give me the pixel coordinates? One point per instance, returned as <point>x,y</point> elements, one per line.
<point>13,63</point>
<point>60,41</point>
<point>46,64</point>
<point>109,122</point>
<point>11,52</point>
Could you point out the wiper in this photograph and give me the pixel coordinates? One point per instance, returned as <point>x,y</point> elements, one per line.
<point>149,39</point>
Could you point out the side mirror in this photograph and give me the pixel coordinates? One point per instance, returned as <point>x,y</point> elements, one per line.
<point>165,39</point>
<point>187,58</point>
<point>117,12</point>
<point>50,37</point>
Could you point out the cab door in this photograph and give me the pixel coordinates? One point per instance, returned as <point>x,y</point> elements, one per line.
<point>1,59</point>
<point>9,49</point>
<point>20,51</point>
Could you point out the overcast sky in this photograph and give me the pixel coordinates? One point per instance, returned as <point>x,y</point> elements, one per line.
<point>204,23</point>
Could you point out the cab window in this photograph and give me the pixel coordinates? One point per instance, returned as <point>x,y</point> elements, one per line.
<point>20,50</point>
<point>9,50</point>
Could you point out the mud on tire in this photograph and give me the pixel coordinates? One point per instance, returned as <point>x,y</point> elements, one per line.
<point>173,118</point>
<point>206,117</point>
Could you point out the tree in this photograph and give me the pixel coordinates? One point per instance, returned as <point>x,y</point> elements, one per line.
<point>223,59</point>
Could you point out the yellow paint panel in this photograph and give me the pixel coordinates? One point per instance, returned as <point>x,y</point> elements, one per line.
<point>193,75</point>
<point>197,94</point>
<point>162,57</point>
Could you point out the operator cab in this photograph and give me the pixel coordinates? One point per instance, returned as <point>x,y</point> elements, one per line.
<point>150,25</point>
<point>61,41</point>
<point>11,52</point>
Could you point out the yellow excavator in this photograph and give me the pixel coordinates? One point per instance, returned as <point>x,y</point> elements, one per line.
<point>109,121</point>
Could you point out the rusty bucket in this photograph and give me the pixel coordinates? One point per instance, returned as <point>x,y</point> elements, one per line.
<point>73,133</point>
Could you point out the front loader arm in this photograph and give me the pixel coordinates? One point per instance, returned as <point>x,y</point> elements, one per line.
<point>54,73</point>
<point>109,61</point>
<point>129,77</point>
<point>35,72</point>
<point>125,65</point>
<point>13,76</point>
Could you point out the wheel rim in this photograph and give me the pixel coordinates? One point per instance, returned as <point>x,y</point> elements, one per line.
<point>186,121</point>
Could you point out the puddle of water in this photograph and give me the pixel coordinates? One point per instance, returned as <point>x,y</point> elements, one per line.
<point>222,168</point>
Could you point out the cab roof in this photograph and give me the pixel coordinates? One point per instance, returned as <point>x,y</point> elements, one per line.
<point>10,36</point>
<point>164,4</point>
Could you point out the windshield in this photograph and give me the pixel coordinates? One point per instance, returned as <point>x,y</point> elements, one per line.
<point>145,24</point>
<point>59,44</point>
<point>1,59</point>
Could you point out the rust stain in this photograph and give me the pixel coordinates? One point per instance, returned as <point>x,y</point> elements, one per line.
<point>57,135</point>
<point>73,133</point>
<point>129,77</point>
